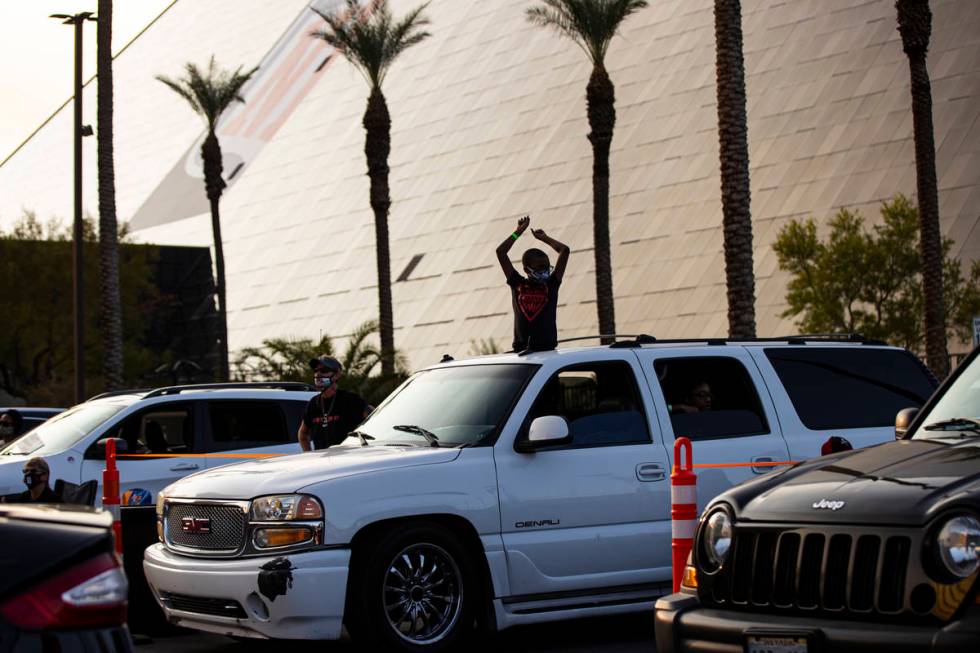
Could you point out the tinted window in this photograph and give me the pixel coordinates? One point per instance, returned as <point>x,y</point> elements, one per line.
<point>599,401</point>
<point>164,429</point>
<point>850,387</point>
<point>245,424</point>
<point>710,397</point>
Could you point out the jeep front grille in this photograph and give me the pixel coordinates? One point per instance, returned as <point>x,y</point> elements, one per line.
<point>225,531</point>
<point>857,571</point>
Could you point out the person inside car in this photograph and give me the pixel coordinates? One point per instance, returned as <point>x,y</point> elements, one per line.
<point>36,477</point>
<point>11,426</point>
<point>535,296</point>
<point>698,399</point>
<point>331,415</point>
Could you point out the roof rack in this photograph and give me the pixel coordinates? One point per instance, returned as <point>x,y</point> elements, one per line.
<point>117,393</point>
<point>292,386</point>
<point>800,339</point>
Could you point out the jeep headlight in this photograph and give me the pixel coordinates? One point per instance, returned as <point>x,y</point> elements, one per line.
<point>717,537</point>
<point>958,543</point>
<point>286,507</point>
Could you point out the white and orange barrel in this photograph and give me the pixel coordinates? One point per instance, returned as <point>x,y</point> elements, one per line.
<point>110,492</point>
<point>683,508</point>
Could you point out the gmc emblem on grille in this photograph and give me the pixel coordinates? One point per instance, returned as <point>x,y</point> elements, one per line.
<point>195,525</point>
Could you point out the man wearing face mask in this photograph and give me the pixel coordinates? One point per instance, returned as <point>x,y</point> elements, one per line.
<point>36,477</point>
<point>333,413</point>
<point>535,296</point>
<point>11,426</point>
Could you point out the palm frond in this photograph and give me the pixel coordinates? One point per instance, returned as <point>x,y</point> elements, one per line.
<point>209,92</point>
<point>371,39</point>
<point>590,24</point>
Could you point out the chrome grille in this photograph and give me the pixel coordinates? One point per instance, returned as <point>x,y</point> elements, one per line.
<point>226,531</point>
<point>806,570</point>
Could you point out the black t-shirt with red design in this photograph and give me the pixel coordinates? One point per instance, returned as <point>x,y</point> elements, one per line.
<point>329,420</point>
<point>535,312</point>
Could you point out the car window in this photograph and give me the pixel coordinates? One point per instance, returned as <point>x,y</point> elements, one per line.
<point>710,397</point>
<point>850,387</point>
<point>960,401</point>
<point>64,430</point>
<point>460,405</point>
<point>600,402</point>
<point>161,429</point>
<point>246,424</point>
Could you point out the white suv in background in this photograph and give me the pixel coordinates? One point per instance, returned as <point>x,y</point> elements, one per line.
<point>507,489</point>
<point>193,419</point>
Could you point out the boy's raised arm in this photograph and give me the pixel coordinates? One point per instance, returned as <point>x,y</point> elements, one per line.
<point>504,248</point>
<point>558,246</point>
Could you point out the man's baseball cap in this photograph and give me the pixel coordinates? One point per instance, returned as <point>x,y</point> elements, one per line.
<point>37,465</point>
<point>329,362</point>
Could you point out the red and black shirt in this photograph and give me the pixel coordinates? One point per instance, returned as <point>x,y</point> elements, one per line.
<point>535,312</point>
<point>331,419</point>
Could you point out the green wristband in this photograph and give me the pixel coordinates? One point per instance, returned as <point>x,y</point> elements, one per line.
<point>515,235</point>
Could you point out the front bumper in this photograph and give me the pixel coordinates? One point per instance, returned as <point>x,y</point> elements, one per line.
<point>681,624</point>
<point>305,601</point>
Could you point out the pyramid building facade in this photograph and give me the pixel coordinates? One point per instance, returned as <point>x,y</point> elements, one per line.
<point>489,124</point>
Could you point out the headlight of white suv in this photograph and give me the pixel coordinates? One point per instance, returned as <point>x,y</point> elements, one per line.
<point>286,507</point>
<point>958,543</point>
<point>717,538</point>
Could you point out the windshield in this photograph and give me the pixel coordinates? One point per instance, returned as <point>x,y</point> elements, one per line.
<point>957,408</point>
<point>63,431</point>
<point>457,405</point>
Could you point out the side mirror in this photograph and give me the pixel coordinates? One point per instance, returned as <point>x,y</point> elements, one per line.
<point>97,450</point>
<point>545,431</point>
<point>903,420</point>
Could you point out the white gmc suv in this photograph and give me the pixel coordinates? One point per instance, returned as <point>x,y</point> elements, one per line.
<point>507,489</point>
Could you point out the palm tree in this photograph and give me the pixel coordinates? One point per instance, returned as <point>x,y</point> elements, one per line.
<point>734,152</point>
<point>592,24</point>
<point>209,93</point>
<point>108,230</point>
<point>371,40</point>
<point>915,26</point>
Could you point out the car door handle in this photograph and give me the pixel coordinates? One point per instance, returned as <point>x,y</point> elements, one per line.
<point>185,467</point>
<point>647,472</point>
<point>762,469</point>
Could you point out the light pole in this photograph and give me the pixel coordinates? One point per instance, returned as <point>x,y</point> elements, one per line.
<point>78,20</point>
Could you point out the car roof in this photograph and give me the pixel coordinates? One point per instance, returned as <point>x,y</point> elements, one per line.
<point>189,393</point>
<point>540,357</point>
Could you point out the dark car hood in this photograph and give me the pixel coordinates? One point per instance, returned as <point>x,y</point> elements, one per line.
<point>903,482</point>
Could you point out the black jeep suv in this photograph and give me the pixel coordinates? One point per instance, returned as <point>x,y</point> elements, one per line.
<point>876,549</point>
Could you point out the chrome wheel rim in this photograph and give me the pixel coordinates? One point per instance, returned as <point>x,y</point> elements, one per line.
<point>422,594</point>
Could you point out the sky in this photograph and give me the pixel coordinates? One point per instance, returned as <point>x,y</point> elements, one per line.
<point>38,72</point>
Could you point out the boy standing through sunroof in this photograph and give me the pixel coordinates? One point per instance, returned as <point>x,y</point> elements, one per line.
<point>535,296</point>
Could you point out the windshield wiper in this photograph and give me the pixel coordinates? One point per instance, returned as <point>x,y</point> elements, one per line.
<point>955,424</point>
<point>431,437</point>
<point>363,437</point>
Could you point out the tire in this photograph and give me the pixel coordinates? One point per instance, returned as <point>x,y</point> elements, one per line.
<point>415,591</point>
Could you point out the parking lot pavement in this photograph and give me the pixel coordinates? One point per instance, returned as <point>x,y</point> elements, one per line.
<point>623,634</point>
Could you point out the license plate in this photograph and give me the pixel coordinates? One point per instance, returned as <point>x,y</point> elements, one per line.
<point>775,644</point>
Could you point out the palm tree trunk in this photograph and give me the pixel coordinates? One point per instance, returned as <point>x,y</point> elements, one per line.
<point>377,146</point>
<point>214,185</point>
<point>734,154</point>
<point>112,347</point>
<point>915,26</point>
<point>600,98</point>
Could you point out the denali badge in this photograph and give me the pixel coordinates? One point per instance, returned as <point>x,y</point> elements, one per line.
<point>200,525</point>
<point>823,504</point>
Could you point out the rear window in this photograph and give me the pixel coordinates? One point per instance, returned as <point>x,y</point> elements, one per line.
<point>247,424</point>
<point>850,387</point>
